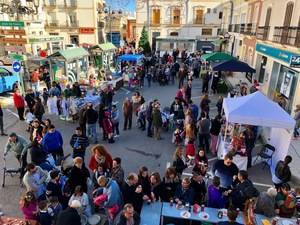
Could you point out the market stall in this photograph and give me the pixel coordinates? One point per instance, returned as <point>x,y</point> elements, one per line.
<point>102,56</point>
<point>69,65</point>
<point>257,110</point>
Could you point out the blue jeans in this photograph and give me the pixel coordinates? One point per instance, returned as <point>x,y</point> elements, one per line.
<point>92,131</point>
<point>35,87</point>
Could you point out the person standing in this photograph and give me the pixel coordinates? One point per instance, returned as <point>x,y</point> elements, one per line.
<point>205,82</point>
<point>115,120</point>
<point>82,119</point>
<point>38,109</point>
<point>181,76</point>
<point>204,130</point>
<point>35,81</point>
<point>79,142</point>
<point>127,111</point>
<point>47,78</point>
<point>149,111</point>
<point>53,142</point>
<point>1,122</point>
<point>19,103</point>
<point>91,117</point>
<point>297,119</point>
<point>249,143</point>
<point>29,99</point>
<point>157,121</point>
<point>214,133</point>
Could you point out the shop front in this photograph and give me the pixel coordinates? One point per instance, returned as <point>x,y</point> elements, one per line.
<point>70,65</point>
<point>278,76</point>
<point>103,56</point>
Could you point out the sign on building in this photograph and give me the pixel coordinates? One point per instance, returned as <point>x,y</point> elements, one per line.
<point>295,61</point>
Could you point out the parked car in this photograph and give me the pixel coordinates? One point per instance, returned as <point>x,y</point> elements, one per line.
<point>7,79</point>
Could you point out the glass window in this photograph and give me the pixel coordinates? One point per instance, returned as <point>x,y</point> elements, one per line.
<point>156,16</point>
<point>206,31</point>
<point>199,16</point>
<point>176,16</point>
<point>215,10</point>
<point>208,10</point>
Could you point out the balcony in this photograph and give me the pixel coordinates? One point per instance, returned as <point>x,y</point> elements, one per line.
<point>236,28</point>
<point>243,28</point>
<point>262,33</point>
<point>73,24</point>
<point>155,24</point>
<point>287,36</point>
<point>230,28</point>
<point>52,24</point>
<point>250,29</point>
<point>175,23</point>
<point>71,4</point>
<point>50,4</point>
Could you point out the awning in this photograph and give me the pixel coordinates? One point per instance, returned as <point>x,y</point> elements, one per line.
<point>233,66</point>
<point>130,57</point>
<point>71,54</point>
<point>217,56</point>
<point>105,47</point>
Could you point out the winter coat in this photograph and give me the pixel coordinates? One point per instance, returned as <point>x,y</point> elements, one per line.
<point>114,196</point>
<point>79,142</point>
<point>117,174</point>
<point>156,118</point>
<point>186,196</point>
<point>107,164</point>
<point>169,188</point>
<point>52,142</point>
<point>107,125</point>
<point>29,98</point>
<point>32,184</point>
<point>91,116</point>
<point>265,205</point>
<point>17,147</point>
<point>38,109</point>
<point>127,108</point>
<point>68,216</point>
<point>79,177</point>
<point>18,101</point>
<point>179,165</point>
<point>215,198</point>
<point>123,220</point>
<point>130,196</point>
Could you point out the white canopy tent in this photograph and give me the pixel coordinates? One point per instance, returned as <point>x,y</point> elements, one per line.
<point>257,110</point>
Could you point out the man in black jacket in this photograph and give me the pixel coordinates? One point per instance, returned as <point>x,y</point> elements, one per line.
<point>282,171</point>
<point>91,117</point>
<point>79,142</point>
<point>132,192</point>
<point>70,215</point>
<point>129,216</point>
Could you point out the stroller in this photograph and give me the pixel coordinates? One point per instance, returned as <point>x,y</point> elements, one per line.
<point>178,135</point>
<point>11,172</point>
<point>165,116</point>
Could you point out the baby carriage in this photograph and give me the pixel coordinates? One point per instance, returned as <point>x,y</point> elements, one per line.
<point>165,116</point>
<point>178,135</point>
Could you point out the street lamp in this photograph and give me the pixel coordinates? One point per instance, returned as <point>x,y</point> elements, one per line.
<point>110,15</point>
<point>17,8</point>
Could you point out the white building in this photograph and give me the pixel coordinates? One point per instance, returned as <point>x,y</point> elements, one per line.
<point>192,19</point>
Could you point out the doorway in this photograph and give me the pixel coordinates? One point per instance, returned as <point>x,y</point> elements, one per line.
<point>74,39</point>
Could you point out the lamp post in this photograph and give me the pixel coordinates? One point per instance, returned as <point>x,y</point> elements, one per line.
<point>17,8</point>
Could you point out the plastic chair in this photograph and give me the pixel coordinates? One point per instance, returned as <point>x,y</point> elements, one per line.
<point>267,154</point>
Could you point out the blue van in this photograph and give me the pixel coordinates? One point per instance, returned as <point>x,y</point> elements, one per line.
<point>7,79</point>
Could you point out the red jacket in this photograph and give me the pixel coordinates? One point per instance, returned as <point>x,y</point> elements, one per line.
<point>18,101</point>
<point>107,125</point>
<point>190,150</point>
<point>107,165</point>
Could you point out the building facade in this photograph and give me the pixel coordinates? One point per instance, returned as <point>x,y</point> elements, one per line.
<point>255,33</point>
<point>195,19</point>
<point>75,20</point>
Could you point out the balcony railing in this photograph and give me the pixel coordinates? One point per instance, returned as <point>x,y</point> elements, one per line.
<point>52,24</point>
<point>236,28</point>
<point>155,24</point>
<point>287,36</point>
<point>262,33</point>
<point>243,28</point>
<point>70,3</point>
<point>73,23</point>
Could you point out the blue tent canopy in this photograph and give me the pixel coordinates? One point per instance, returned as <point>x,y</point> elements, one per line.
<point>233,66</point>
<point>130,57</point>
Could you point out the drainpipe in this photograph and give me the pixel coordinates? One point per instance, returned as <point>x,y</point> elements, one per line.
<point>148,18</point>
<point>186,11</point>
<point>231,12</point>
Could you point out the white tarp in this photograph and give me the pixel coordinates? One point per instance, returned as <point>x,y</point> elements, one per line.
<point>256,109</point>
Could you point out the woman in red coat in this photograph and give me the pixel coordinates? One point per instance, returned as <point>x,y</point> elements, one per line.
<point>100,156</point>
<point>108,127</point>
<point>19,103</point>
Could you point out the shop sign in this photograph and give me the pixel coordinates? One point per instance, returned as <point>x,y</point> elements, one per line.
<point>276,53</point>
<point>16,41</point>
<point>11,24</point>
<point>12,32</point>
<point>45,39</point>
<point>86,30</point>
<point>12,48</point>
<point>295,61</point>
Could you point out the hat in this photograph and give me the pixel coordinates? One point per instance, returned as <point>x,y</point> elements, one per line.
<point>13,134</point>
<point>75,204</point>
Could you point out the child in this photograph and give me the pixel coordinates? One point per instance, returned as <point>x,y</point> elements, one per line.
<point>45,96</point>
<point>44,215</point>
<point>201,162</point>
<point>190,152</point>
<point>55,207</point>
<point>99,172</point>
<point>29,117</point>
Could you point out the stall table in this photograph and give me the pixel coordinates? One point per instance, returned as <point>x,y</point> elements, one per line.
<point>239,161</point>
<point>150,214</point>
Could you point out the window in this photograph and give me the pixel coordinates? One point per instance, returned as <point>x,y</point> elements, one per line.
<point>288,14</point>
<point>268,17</point>
<point>174,34</point>
<point>176,16</point>
<point>215,10</point>
<point>220,15</point>
<point>208,10</point>
<point>155,16</point>
<point>199,16</point>
<point>206,32</point>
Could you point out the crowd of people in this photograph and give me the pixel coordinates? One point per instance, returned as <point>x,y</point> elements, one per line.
<point>62,189</point>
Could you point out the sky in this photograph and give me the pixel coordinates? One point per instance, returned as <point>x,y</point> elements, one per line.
<point>124,5</point>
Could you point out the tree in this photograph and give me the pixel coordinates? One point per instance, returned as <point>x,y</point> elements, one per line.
<point>144,41</point>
